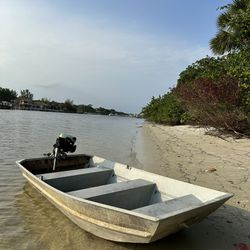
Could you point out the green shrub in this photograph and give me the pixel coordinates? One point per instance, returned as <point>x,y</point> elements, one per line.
<point>165,109</point>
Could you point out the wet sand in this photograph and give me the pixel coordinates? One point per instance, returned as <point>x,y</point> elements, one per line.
<point>188,154</point>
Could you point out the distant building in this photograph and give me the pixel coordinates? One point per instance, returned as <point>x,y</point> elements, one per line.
<point>23,103</point>
<point>6,105</point>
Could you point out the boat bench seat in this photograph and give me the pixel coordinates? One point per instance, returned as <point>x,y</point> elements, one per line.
<point>162,208</point>
<point>77,179</point>
<point>127,194</point>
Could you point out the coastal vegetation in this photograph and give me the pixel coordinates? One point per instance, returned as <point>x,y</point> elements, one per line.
<point>213,91</point>
<point>9,99</point>
<point>7,95</point>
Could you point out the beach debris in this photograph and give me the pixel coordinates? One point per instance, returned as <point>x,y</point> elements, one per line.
<point>242,246</point>
<point>210,170</point>
<point>241,168</point>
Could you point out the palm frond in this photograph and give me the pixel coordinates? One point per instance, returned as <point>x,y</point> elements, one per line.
<point>238,5</point>
<point>223,20</point>
<point>223,42</point>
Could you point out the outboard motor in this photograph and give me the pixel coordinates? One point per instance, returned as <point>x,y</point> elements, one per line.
<point>64,144</point>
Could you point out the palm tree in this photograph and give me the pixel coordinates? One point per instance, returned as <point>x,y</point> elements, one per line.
<point>233,28</point>
<point>26,94</point>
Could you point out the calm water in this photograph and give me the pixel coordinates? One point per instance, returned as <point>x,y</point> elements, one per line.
<point>27,220</point>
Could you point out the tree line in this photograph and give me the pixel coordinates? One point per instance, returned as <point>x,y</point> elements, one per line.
<point>213,91</point>
<point>9,98</point>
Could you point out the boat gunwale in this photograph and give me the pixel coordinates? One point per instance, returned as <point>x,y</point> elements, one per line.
<point>88,219</point>
<point>222,198</point>
<point>129,212</point>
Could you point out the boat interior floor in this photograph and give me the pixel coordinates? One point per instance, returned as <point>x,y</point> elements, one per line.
<point>101,185</point>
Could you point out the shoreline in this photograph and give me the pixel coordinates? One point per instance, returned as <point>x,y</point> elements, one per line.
<point>186,153</point>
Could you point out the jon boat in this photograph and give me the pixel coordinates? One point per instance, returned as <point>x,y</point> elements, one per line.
<point>118,202</point>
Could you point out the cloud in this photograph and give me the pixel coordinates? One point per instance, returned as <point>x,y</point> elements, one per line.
<point>87,60</point>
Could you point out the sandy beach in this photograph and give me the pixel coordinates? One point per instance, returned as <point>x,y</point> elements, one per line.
<point>189,154</point>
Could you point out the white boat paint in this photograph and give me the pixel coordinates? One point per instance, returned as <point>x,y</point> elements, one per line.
<point>118,202</point>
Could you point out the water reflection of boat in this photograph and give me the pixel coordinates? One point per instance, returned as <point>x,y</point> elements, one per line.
<point>44,227</point>
<point>118,202</point>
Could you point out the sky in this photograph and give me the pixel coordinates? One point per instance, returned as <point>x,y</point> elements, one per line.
<point>108,53</point>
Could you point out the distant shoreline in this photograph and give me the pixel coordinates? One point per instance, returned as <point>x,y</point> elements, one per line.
<point>63,111</point>
<point>9,99</point>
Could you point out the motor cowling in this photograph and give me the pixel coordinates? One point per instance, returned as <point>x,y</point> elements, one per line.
<point>65,144</point>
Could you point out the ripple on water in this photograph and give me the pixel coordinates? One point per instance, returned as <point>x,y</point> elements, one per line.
<point>27,219</point>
